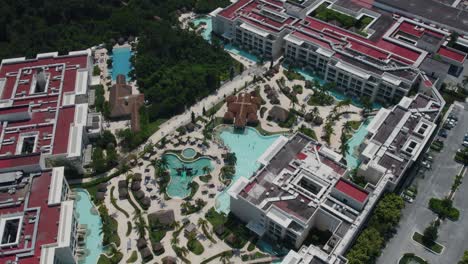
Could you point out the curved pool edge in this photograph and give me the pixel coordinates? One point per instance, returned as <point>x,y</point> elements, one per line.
<point>183,161</point>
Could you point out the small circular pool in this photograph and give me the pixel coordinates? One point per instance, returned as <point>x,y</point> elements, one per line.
<point>189,153</point>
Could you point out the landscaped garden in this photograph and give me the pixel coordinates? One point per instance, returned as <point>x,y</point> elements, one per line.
<point>410,258</point>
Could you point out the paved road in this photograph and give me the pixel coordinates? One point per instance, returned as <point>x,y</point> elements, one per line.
<point>417,216</point>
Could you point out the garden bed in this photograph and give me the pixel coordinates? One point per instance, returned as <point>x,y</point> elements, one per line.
<point>436,247</point>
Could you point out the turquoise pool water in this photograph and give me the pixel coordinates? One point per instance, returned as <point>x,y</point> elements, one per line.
<point>233,49</point>
<point>88,216</point>
<point>272,248</point>
<point>206,34</point>
<point>309,76</point>
<point>189,153</point>
<point>179,185</point>
<point>248,147</point>
<point>352,156</point>
<point>121,62</point>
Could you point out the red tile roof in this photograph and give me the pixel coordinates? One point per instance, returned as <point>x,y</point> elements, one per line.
<point>452,54</point>
<point>301,156</point>
<point>351,191</point>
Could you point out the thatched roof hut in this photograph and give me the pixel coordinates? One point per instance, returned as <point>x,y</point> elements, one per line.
<point>100,196</point>
<point>137,177</point>
<point>123,193</point>
<point>158,248</point>
<point>123,184</point>
<point>169,260</point>
<point>139,194</point>
<point>136,186</point>
<point>278,114</point>
<point>102,187</point>
<point>190,127</point>
<point>146,254</point>
<point>141,243</point>
<point>165,217</point>
<point>228,117</point>
<point>146,201</point>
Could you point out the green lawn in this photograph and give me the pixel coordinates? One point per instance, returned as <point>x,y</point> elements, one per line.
<point>195,246</point>
<point>410,258</point>
<point>436,247</point>
<point>133,257</point>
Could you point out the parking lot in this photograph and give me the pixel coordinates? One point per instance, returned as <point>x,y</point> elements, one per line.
<point>435,182</point>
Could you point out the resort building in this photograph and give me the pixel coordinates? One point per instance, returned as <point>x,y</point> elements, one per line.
<point>124,104</point>
<point>380,56</point>
<point>396,138</point>
<point>242,110</point>
<point>44,121</point>
<point>303,190</point>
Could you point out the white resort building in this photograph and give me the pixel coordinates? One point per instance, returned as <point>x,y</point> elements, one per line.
<point>303,188</point>
<point>382,60</point>
<point>44,120</point>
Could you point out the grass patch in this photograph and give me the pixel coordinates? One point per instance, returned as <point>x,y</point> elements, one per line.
<point>205,178</point>
<point>116,258</point>
<point>411,258</point>
<point>195,246</point>
<point>133,257</point>
<point>263,132</point>
<point>129,228</point>
<point>354,124</point>
<point>297,88</point>
<point>308,132</point>
<point>293,75</point>
<point>436,247</point>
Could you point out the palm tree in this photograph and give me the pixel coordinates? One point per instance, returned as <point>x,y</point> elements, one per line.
<point>202,223</point>
<point>199,203</point>
<point>231,158</point>
<point>176,225</point>
<point>206,169</point>
<point>347,127</point>
<point>225,257</point>
<point>183,251</point>
<point>175,241</point>
<point>227,172</point>
<point>140,224</point>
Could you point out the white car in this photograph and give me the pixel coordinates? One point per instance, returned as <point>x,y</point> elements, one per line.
<point>465,143</point>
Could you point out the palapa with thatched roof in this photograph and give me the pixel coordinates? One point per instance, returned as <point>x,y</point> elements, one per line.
<point>100,196</point>
<point>123,193</point>
<point>164,217</point>
<point>102,187</point>
<point>137,177</point>
<point>146,254</point>
<point>136,186</point>
<point>141,243</point>
<point>146,201</point>
<point>158,248</point>
<point>123,184</point>
<point>278,114</point>
<point>139,194</point>
<point>169,260</point>
<point>241,107</point>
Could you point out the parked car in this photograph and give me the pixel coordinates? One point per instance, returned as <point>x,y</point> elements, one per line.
<point>443,133</point>
<point>465,144</point>
<point>453,116</point>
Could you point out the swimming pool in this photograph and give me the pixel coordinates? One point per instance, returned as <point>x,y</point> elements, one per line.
<point>179,184</point>
<point>233,49</point>
<point>248,147</point>
<point>206,34</point>
<point>189,153</point>
<point>340,96</point>
<point>121,62</point>
<point>352,155</point>
<point>87,215</point>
